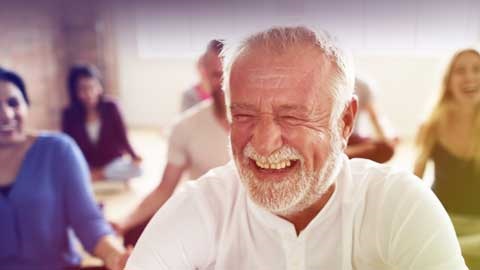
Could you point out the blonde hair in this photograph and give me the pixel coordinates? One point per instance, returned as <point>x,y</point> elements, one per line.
<point>280,39</point>
<point>428,134</point>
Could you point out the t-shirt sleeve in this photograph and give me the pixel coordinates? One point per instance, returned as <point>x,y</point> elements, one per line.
<point>82,212</point>
<point>177,145</point>
<point>365,92</point>
<point>189,99</point>
<point>414,230</point>
<point>179,237</point>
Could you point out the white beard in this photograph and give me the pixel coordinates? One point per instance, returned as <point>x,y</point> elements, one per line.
<point>296,192</point>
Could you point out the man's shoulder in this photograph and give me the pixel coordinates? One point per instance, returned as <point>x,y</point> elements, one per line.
<point>378,178</point>
<point>195,114</point>
<point>220,183</point>
<point>374,171</point>
<point>381,190</point>
<point>216,192</point>
<point>397,220</point>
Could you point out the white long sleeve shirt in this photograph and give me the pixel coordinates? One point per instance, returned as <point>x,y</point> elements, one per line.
<point>377,218</point>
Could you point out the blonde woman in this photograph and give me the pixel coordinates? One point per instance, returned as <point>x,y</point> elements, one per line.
<point>451,139</point>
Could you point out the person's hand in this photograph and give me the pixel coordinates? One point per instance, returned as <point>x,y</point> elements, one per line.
<point>395,141</point>
<point>137,160</point>
<point>392,142</point>
<point>124,258</point>
<point>118,261</point>
<point>97,174</point>
<point>119,227</point>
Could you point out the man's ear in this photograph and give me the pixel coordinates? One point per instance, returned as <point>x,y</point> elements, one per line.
<point>348,118</point>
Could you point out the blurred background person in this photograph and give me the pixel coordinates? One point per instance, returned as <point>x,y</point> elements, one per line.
<point>94,121</point>
<point>450,137</point>
<point>202,90</point>
<point>45,192</point>
<point>379,147</point>
<point>198,142</point>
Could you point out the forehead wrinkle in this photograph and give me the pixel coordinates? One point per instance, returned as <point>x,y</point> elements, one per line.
<point>295,70</point>
<point>242,106</point>
<point>265,68</point>
<point>280,78</point>
<point>311,109</point>
<point>272,69</point>
<point>321,113</point>
<point>293,108</point>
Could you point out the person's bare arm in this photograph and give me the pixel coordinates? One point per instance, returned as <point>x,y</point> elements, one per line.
<point>355,150</point>
<point>423,154</point>
<point>377,125</point>
<point>111,252</point>
<point>150,204</point>
<point>419,166</point>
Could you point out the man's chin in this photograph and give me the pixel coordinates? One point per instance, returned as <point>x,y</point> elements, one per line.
<point>276,208</point>
<point>291,196</point>
<point>278,197</point>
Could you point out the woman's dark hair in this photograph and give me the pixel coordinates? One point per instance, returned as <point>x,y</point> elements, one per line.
<point>215,45</point>
<point>14,78</point>
<point>76,73</point>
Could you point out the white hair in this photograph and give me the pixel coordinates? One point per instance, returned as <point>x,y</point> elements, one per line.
<point>281,39</point>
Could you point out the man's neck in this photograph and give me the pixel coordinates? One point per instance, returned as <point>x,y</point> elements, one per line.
<point>301,219</point>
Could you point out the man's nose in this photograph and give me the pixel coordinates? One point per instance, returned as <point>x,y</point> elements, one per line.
<point>267,136</point>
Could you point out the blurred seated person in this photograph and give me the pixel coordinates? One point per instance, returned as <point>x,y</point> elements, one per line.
<point>379,148</point>
<point>450,137</point>
<point>94,121</point>
<point>44,194</point>
<point>202,90</point>
<point>197,143</point>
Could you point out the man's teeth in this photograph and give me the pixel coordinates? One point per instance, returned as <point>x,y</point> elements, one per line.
<point>277,165</point>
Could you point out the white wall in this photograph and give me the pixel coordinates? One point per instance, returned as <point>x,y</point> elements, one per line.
<point>403,53</point>
<point>405,86</point>
<point>150,88</point>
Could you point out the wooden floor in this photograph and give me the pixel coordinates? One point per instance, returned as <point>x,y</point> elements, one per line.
<point>119,198</point>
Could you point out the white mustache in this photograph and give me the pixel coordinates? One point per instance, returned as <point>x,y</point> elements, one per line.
<point>282,154</point>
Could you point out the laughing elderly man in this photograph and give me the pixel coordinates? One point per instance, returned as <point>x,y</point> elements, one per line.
<point>291,199</point>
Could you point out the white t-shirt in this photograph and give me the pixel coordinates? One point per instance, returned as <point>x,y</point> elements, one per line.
<point>93,130</point>
<point>198,141</point>
<point>365,94</point>
<point>377,218</point>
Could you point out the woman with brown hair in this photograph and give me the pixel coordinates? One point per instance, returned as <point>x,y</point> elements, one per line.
<point>95,122</point>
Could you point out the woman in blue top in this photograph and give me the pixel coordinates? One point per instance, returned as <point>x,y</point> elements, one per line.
<point>44,192</point>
